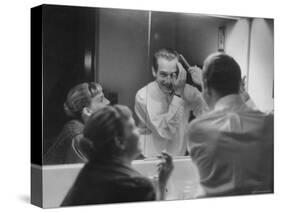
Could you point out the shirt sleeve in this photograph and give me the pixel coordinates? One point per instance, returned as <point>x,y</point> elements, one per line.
<point>141,114</point>
<point>251,104</point>
<point>165,124</point>
<point>194,100</point>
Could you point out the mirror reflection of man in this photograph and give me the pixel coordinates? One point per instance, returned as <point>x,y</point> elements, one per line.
<point>163,106</point>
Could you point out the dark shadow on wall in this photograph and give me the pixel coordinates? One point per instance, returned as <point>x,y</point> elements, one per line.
<point>68,32</point>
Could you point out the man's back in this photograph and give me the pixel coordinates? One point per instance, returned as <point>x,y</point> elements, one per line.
<point>233,149</point>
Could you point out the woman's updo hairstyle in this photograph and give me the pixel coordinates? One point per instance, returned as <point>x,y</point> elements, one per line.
<point>80,96</point>
<point>101,130</point>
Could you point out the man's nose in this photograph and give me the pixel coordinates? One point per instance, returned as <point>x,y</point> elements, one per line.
<point>169,79</point>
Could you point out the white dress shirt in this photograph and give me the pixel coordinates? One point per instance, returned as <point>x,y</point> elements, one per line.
<point>164,118</point>
<point>232,147</point>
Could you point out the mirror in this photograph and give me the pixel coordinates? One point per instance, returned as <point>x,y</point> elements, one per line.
<point>129,39</point>
<point>115,48</point>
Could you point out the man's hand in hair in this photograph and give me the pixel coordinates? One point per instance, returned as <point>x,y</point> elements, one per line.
<point>196,74</point>
<point>179,82</point>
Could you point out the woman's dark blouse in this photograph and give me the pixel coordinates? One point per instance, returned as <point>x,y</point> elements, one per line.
<point>66,147</point>
<point>109,182</point>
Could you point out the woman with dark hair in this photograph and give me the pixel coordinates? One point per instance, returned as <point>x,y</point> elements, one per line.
<point>108,176</point>
<point>81,101</point>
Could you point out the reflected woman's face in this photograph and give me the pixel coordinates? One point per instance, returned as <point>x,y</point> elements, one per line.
<point>166,73</point>
<point>98,102</point>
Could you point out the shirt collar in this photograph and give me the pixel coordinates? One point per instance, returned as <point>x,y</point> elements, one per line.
<point>229,101</point>
<point>157,91</point>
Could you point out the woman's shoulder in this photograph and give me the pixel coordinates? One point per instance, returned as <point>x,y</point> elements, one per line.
<point>134,182</point>
<point>73,125</point>
<point>71,129</point>
<point>115,175</point>
<point>132,188</point>
<point>113,190</point>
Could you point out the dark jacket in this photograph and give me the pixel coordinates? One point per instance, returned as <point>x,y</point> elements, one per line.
<point>109,182</point>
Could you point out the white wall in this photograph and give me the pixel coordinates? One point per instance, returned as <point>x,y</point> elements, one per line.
<point>255,56</point>
<point>237,42</point>
<point>261,70</point>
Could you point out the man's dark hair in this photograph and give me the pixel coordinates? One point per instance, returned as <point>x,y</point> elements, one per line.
<point>166,53</point>
<point>222,73</point>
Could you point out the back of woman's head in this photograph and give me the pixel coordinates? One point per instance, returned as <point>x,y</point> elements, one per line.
<point>103,127</point>
<point>80,96</point>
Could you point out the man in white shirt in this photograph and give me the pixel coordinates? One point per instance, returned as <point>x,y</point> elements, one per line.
<point>163,106</point>
<point>232,145</point>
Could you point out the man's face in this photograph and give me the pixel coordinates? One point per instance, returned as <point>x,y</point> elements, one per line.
<point>166,73</point>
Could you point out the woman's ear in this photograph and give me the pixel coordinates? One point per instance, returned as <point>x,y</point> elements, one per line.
<point>86,111</point>
<point>120,143</point>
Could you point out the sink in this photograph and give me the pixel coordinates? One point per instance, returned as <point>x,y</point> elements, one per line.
<point>184,181</point>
